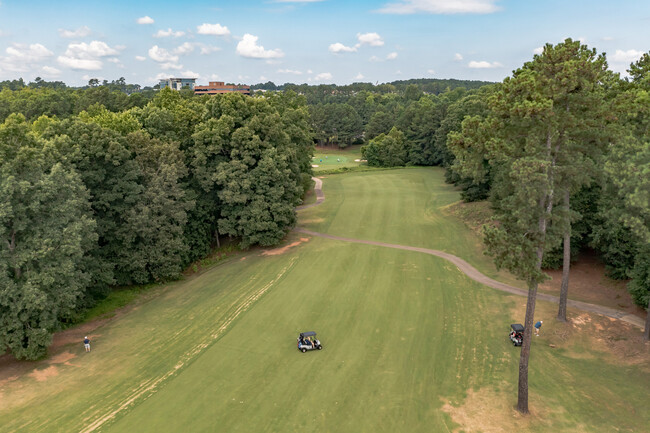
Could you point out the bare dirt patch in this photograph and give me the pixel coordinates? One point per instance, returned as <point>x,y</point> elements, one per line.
<point>588,283</point>
<point>284,249</point>
<point>44,374</point>
<point>63,358</point>
<point>588,335</point>
<point>489,411</point>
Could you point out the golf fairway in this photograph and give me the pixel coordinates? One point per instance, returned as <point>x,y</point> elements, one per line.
<point>407,338</point>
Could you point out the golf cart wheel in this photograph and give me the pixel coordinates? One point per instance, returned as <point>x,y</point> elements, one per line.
<point>303,350</point>
<point>320,347</point>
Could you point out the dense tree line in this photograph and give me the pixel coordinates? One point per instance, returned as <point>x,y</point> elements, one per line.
<point>118,195</point>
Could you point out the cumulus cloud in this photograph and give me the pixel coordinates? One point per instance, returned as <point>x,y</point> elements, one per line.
<point>248,47</point>
<point>185,48</point>
<point>484,65</point>
<point>391,56</point>
<point>145,20</point>
<point>170,65</point>
<point>212,29</point>
<point>340,48</point>
<point>23,57</point>
<point>140,58</point>
<point>167,33</point>
<point>458,57</point>
<point>79,33</point>
<point>189,74</point>
<point>372,39</point>
<point>628,56</point>
<point>359,76</point>
<point>50,71</point>
<point>538,50</point>
<point>289,71</point>
<point>323,76</point>
<point>85,56</point>
<point>405,7</point>
<point>161,55</point>
<point>209,49</point>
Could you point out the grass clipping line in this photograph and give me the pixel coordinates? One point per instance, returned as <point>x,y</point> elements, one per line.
<point>150,386</point>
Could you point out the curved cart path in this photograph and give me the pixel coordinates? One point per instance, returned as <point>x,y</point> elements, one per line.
<point>471,271</point>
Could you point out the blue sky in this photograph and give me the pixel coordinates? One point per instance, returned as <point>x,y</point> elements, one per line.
<point>305,41</point>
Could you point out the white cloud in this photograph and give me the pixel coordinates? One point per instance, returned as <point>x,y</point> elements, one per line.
<point>289,71</point>
<point>309,71</point>
<point>372,39</point>
<point>140,58</point>
<point>484,65</point>
<point>374,59</point>
<point>340,48</point>
<point>212,29</point>
<point>458,57</point>
<point>607,38</point>
<point>161,55</point>
<point>323,76</point>
<point>85,56</point>
<point>209,49</point>
<point>398,72</point>
<point>538,50</point>
<point>298,1</point>
<point>160,76</point>
<point>359,76</point>
<point>79,33</point>
<point>263,78</point>
<point>431,71</point>
<point>50,71</point>
<point>628,56</point>
<point>22,55</point>
<point>80,64</point>
<point>114,60</point>
<point>185,48</point>
<point>167,33</point>
<point>214,77</point>
<point>440,7</point>
<point>391,56</point>
<point>248,47</point>
<point>189,74</point>
<point>145,20</point>
<point>170,65</point>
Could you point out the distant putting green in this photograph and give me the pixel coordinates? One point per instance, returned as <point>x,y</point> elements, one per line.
<point>327,159</point>
<point>408,340</point>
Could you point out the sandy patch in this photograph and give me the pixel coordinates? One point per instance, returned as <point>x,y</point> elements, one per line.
<point>46,373</point>
<point>357,160</point>
<point>284,249</point>
<point>488,411</point>
<point>63,358</point>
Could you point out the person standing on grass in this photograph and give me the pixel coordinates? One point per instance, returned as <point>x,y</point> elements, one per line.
<point>537,326</point>
<point>87,344</point>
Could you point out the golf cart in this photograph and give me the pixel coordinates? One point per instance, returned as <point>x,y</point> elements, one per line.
<point>308,341</point>
<point>517,334</point>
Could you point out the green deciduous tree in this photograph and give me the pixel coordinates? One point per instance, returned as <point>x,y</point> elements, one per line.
<point>46,228</point>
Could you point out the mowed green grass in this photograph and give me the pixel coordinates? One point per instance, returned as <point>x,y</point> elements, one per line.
<point>331,158</point>
<point>402,207</point>
<point>404,333</point>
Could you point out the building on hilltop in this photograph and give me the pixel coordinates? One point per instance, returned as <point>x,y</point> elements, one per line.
<point>219,87</point>
<point>178,83</point>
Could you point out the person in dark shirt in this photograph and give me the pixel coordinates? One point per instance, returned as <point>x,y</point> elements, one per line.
<point>87,344</point>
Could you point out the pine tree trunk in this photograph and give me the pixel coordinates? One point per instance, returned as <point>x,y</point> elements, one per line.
<point>545,206</point>
<point>566,265</point>
<point>646,333</point>
<point>522,395</point>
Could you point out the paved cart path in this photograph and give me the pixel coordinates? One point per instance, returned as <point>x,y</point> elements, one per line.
<point>471,271</point>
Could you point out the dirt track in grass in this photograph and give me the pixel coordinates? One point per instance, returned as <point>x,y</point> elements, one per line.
<point>472,272</point>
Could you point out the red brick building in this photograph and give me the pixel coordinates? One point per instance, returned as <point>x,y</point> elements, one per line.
<point>217,87</point>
